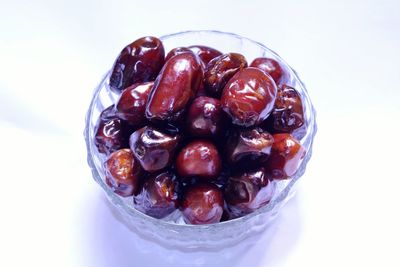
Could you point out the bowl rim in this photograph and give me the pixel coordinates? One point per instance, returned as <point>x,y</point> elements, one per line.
<point>174,226</point>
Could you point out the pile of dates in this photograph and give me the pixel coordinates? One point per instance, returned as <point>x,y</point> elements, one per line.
<point>198,132</point>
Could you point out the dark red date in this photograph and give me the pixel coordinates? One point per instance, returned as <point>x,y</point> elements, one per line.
<point>272,67</point>
<point>251,145</point>
<point>199,159</point>
<point>176,51</point>
<point>288,112</point>
<point>176,85</point>
<point>286,156</point>
<point>205,118</point>
<point>248,191</point>
<point>202,204</point>
<point>141,61</point>
<point>153,148</point>
<point>131,105</point>
<point>123,172</point>
<point>159,195</point>
<point>249,97</point>
<point>111,133</point>
<point>205,53</point>
<point>219,70</point>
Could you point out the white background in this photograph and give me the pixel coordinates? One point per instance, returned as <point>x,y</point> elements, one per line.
<point>52,55</point>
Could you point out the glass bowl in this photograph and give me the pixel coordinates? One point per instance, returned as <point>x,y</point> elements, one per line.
<point>213,236</point>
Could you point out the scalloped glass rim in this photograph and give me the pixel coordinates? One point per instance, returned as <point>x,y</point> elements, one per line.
<point>306,141</point>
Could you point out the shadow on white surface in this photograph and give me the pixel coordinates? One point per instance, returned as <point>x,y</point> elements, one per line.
<point>111,243</point>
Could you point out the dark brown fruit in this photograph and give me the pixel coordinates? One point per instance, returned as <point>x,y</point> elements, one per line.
<point>153,148</point>
<point>141,61</point>
<point>250,145</point>
<point>123,172</point>
<point>159,195</point>
<point>111,133</point>
<point>272,67</point>
<point>199,159</point>
<point>176,85</point>
<point>202,204</point>
<point>176,51</point>
<point>288,112</point>
<point>286,156</point>
<point>205,53</point>
<point>248,191</point>
<point>249,97</point>
<point>205,118</point>
<point>131,105</point>
<point>219,70</point>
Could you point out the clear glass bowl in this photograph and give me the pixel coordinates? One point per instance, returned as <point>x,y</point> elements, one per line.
<point>212,236</point>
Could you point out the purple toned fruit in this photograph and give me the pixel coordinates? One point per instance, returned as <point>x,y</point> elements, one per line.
<point>111,133</point>
<point>131,104</point>
<point>219,70</point>
<point>123,172</point>
<point>205,118</point>
<point>200,159</point>
<point>141,61</point>
<point>248,191</point>
<point>202,204</point>
<point>174,88</point>
<point>205,53</point>
<point>249,97</point>
<point>250,145</point>
<point>159,195</point>
<point>288,113</point>
<point>153,148</point>
<point>286,156</point>
<point>272,67</point>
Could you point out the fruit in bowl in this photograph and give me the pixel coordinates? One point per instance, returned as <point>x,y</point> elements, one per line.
<point>197,135</point>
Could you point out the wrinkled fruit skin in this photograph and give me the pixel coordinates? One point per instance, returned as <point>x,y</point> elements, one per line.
<point>131,105</point>
<point>112,133</point>
<point>176,51</point>
<point>199,159</point>
<point>205,118</point>
<point>286,156</point>
<point>141,61</point>
<point>288,112</point>
<point>219,70</point>
<point>252,145</point>
<point>176,85</point>
<point>272,67</point>
<point>202,204</point>
<point>159,195</point>
<point>248,191</point>
<point>153,148</point>
<point>205,53</point>
<point>249,97</point>
<point>123,172</point>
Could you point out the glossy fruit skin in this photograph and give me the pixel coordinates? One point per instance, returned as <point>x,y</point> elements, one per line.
<point>247,191</point>
<point>131,104</point>
<point>220,69</point>
<point>153,148</point>
<point>272,67</point>
<point>123,172</point>
<point>111,133</point>
<point>176,85</point>
<point>205,118</point>
<point>288,113</point>
<point>250,145</point>
<point>159,195</point>
<point>202,204</point>
<point>205,53</point>
<point>199,159</point>
<point>176,51</point>
<point>249,97</point>
<point>140,61</point>
<point>286,156</point>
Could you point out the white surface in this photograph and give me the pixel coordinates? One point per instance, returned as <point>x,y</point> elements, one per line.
<point>52,54</point>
